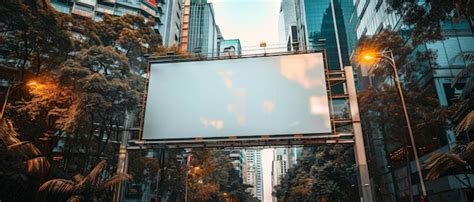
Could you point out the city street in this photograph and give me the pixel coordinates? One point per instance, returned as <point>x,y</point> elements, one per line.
<point>237,101</point>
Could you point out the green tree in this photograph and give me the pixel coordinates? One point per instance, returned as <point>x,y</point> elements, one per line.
<point>324,173</point>
<point>427,18</point>
<point>33,35</point>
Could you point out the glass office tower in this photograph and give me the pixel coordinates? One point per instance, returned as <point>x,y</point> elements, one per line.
<point>326,28</point>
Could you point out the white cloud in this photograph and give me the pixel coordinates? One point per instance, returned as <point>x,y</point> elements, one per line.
<point>267,106</point>
<point>217,124</point>
<point>293,124</point>
<point>301,71</point>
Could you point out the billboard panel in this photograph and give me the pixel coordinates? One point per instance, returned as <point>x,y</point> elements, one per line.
<point>278,95</point>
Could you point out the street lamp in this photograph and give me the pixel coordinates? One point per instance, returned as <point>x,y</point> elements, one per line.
<point>10,88</point>
<point>371,57</point>
<point>189,170</point>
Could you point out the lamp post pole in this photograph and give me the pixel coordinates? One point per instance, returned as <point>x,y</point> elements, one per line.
<point>5,101</point>
<point>186,186</point>
<point>388,56</point>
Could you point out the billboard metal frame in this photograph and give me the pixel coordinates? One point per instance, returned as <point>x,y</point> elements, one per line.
<point>263,140</point>
<point>333,78</point>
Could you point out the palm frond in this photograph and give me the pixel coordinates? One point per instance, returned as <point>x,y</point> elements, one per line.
<point>466,123</point>
<point>117,179</point>
<point>456,159</point>
<point>461,74</point>
<point>467,72</point>
<point>75,198</point>
<point>58,186</point>
<point>438,164</point>
<point>78,178</point>
<point>94,176</point>
<point>38,166</point>
<point>25,149</point>
<point>468,88</point>
<point>7,133</point>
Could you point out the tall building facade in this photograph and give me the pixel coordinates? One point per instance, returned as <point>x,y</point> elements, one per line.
<point>280,165</point>
<point>283,159</point>
<point>254,172</point>
<point>322,24</point>
<point>371,18</point>
<point>171,29</point>
<point>167,13</point>
<point>288,16</point>
<point>199,31</point>
<point>237,158</point>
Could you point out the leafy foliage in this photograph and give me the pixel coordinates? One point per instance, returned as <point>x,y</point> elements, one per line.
<point>82,188</point>
<point>88,75</point>
<point>460,160</point>
<point>211,177</point>
<point>427,18</point>
<point>325,172</point>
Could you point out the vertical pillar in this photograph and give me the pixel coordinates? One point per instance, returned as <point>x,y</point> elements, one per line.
<point>122,166</point>
<point>359,148</point>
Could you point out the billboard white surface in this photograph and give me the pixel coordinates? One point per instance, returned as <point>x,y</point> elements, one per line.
<point>278,95</point>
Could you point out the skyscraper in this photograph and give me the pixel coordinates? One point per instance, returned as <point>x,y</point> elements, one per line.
<point>199,30</point>
<point>288,14</point>
<point>254,172</point>
<point>171,29</point>
<point>283,159</point>
<point>280,165</point>
<point>322,24</point>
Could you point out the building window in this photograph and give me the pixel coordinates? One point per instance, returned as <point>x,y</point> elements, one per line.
<point>379,3</point>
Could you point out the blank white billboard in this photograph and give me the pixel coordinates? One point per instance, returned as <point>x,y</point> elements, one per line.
<point>278,95</point>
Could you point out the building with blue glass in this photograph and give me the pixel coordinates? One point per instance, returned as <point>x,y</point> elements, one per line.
<point>200,34</point>
<point>321,24</point>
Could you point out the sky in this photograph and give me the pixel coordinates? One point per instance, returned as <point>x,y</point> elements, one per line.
<point>253,22</point>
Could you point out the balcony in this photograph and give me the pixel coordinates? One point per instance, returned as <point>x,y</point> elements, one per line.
<point>147,9</point>
<point>82,12</point>
<point>105,9</point>
<point>61,8</point>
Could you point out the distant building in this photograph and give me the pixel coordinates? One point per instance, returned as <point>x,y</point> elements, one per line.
<point>288,16</point>
<point>283,159</point>
<point>167,13</point>
<point>280,165</point>
<point>230,48</point>
<point>254,172</point>
<point>199,30</point>
<point>287,26</point>
<point>237,158</point>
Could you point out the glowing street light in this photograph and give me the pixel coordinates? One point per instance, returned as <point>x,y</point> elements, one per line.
<point>372,57</point>
<point>32,83</point>
<point>191,169</point>
<point>10,88</point>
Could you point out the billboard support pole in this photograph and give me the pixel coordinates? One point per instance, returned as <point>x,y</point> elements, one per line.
<point>359,148</point>
<point>122,165</point>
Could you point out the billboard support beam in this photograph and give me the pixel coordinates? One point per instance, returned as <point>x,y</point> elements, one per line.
<point>359,147</point>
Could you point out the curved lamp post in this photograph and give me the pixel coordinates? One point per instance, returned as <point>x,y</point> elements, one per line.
<point>373,57</point>
<point>12,87</point>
